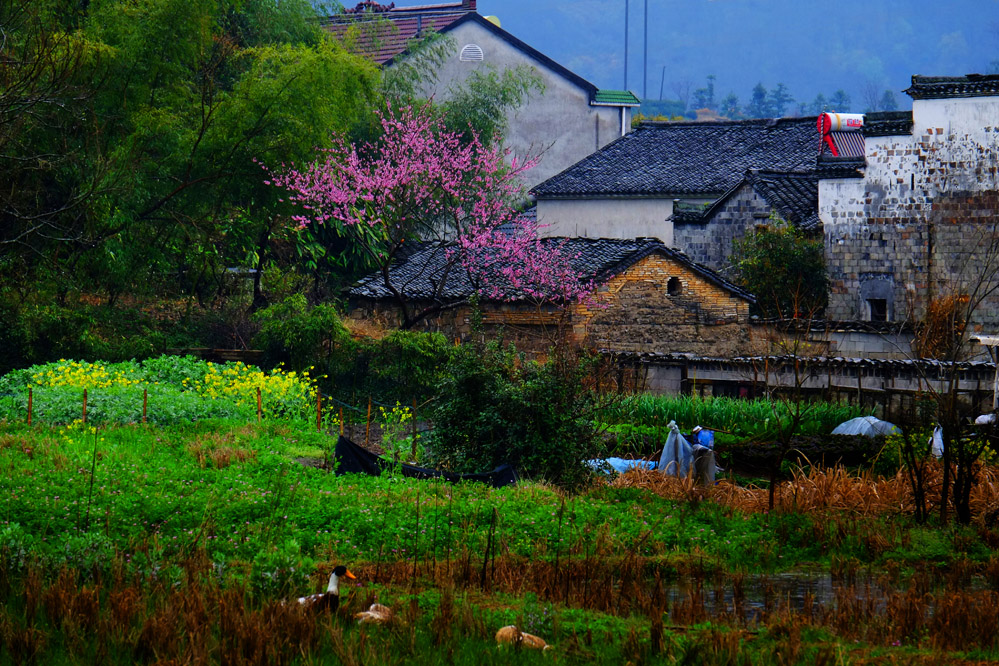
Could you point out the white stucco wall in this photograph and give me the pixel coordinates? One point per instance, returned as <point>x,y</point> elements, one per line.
<point>919,223</point>
<point>558,126</point>
<point>607,218</point>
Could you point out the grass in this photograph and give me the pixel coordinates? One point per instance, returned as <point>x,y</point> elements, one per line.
<point>153,544</point>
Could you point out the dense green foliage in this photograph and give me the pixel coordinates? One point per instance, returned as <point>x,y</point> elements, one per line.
<point>496,408</point>
<point>747,419</point>
<point>784,269</point>
<point>196,482</point>
<point>155,182</point>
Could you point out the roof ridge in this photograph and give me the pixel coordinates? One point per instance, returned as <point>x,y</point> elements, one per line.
<point>764,122</point>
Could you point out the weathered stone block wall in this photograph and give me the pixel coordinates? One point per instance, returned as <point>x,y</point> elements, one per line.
<point>924,220</point>
<point>640,314</point>
<point>710,243</point>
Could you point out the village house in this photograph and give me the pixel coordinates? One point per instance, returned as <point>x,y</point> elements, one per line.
<point>648,298</point>
<point>634,186</point>
<point>921,223</point>
<point>558,126</point>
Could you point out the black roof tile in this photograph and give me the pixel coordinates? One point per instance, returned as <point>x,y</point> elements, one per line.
<point>417,275</point>
<point>939,87</point>
<point>662,159</point>
<point>795,196</point>
<point>888,123</point>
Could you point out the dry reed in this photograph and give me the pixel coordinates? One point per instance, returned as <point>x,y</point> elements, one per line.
<point>821,490</point>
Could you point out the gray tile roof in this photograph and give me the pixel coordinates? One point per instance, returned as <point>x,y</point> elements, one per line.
<point>795,196</point>
<point>417,273</point>
<point>684,159</point>
<point>939,87</point>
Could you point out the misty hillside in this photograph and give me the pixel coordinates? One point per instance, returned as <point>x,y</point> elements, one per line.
<point>862,47</point>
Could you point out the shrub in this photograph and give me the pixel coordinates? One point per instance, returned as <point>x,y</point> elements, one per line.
<point>407,366</point>
<point>300,335</point>
<point>495,408</point>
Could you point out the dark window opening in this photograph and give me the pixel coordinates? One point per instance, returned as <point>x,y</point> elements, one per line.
<point>879,309</point>
<point>673,286</point>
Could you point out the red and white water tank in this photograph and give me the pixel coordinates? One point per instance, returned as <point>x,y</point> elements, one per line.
<point>840,122</point>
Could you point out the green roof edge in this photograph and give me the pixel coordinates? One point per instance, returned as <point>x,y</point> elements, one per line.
<point>616,97</point>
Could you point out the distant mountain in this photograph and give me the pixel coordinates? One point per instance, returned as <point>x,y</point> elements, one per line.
<point>863,47</point>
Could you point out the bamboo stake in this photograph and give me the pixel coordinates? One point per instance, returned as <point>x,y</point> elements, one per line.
<point>319,411</point>
<point>341,420</point>
<point>84,406</point>
<point>260,406</point>
<point>145,402</point>
<point>29,406</point>
<point>367,427</point>
<point>416,540</point>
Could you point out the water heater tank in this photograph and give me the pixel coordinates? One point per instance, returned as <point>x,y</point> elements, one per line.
<point>840,122</point>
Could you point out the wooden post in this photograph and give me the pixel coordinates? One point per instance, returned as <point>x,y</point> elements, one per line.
<point>84,406</point>
<point>860,387</point>
<point>341,420</point>
<point>260,406</point>
<point>145,403</point>
<point>413,430</point>
<point>367,428</point>
<point>29,405</point>
<point>319,411</point>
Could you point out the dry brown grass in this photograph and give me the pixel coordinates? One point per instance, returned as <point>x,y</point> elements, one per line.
<point>219,450</point>
<point>823,491</point>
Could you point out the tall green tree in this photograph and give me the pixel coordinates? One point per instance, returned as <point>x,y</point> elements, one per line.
<point>186,95</point>
<point>784,269</point>
<point>758,106</point>
<point>779,100</point>
<point>840,101</point>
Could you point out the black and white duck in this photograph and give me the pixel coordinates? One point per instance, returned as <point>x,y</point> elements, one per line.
<point>329,600</point>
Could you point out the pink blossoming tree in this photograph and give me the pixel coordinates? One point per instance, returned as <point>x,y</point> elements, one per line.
<point>419,183</point>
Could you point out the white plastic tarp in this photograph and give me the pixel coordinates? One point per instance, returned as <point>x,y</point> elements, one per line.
<point>678,456</point>
<point>869,426</point>
<point>936,442</point>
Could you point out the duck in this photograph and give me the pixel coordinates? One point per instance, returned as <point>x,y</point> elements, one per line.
<point>329,600</point>
<point>511,635</point>
<point>376,614</point>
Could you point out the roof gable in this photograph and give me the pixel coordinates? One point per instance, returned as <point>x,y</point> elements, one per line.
<point>387,33</point>
<point>794,196</point>
<point>418,273</point>
<point>684,159</point>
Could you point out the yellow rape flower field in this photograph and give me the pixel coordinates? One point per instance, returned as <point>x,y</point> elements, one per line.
<point>177,388</point>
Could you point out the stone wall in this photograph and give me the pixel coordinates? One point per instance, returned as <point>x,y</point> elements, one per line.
<point>922,222</point>
<point>710,242</point>
<point>641,310</point>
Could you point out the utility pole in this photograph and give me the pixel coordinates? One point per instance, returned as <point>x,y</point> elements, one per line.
<point>662,82</point>
<point>625,44</point>
<point>645,56</point>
